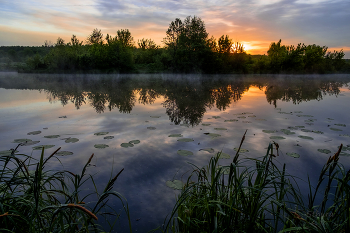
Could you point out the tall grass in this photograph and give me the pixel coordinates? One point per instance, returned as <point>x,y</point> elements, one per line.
<point>36,199</point>
<point>261,198</point>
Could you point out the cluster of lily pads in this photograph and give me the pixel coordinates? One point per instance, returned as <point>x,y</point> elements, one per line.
<point>30,142</point>
<point>287,131</point>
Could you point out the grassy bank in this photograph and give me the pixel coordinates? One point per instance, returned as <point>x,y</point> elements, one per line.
<point>34,198</point>
<point>261,198</point>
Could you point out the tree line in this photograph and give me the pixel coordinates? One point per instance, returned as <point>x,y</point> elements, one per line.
<point>187,49</point>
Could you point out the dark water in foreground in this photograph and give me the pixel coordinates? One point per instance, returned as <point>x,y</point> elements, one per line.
<point>150,108</point>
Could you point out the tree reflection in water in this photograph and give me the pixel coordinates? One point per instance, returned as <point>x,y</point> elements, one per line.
<point>186,98</point>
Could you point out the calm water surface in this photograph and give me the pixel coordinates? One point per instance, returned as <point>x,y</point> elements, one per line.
<point>126,106</point>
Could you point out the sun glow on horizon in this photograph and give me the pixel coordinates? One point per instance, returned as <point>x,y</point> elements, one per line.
<point>254,47</point>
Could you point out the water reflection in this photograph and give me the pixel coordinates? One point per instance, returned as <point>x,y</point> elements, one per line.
<point>299,90</point>
<point>185,99</point>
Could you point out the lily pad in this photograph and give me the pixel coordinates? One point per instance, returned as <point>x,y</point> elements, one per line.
<point>223,155</point>
<point>210,150</point>
<point>41,147</point>
<point>300,126</point>
<point>101,133</point>
<point>343,125</point>
<point>292,128</point>
<point>335,129</point>
<point>216,117</point>
<point>100,146</point>
<point>212,135</point>
<point>317,131</point>
<point>305,116</point>
<point>306,130</point>
<point>308,123</point>
<point>62,117</point>
<point>134,142</point>
<point>155,116</point>
<point>6,152</point>
<point>292,154</point>
<point>325,151</point>
<point>306,137</point>
<point>241,150</point>
<point>34,132</point>
<point>52,136</point>
<point>277,137</point>
<point>30,143</point>
<point>176,184</point>
<point>269,131</point>
<point>151,128</point>
<point>298,112</point>
<point>220,128</point>
<point>126,145</point>
<point>184,152</point>
<point>246,113</point>
<point>287,131</point>
<point>252,116</point>
<point>241,117</point>
<point>205,124</point>
<point>331,119</point>
<point>185,140</point>
<point>344,135</point>
<point>344,154</point>
<point>345,148</point>
<point>20,140</point>
<point>176,135</point>
<point>231,120</point>
<point>285,113</point>
<point>246,122</point>
<point>64,153</point>
<point>71,140</point>
<point>310,120</point>
<point>108,137</point>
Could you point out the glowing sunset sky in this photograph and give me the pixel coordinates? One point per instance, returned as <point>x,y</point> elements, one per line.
<point>255,23</point>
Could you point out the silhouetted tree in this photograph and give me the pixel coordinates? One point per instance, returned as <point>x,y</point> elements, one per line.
<point>125,38</point>
<point>96,37</point>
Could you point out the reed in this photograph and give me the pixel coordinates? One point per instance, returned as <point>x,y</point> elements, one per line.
<point>261,198</point>
<point>36,199</point>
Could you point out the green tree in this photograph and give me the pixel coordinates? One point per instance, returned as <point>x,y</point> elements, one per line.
<point>75,41</point>
<point>96,37</point>
<point>125,38</point>
<point>224,44</point>
<point>60,42</point>
<point>172,38</point>
<point>277,55</point>
<point>147,44</point>
<point>188,43</point>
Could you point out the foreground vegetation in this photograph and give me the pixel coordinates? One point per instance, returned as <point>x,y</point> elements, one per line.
<point>249,195</point>
<point>261,198</point>
<point>188,49</point>
<point>35,199</point>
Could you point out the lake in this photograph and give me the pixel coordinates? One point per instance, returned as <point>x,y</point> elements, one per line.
<point>304,114</point>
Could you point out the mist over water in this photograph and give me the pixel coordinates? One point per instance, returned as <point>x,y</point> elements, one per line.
<point>149,108</point>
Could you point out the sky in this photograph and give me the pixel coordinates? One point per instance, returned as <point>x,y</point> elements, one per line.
<point>254,23</point>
